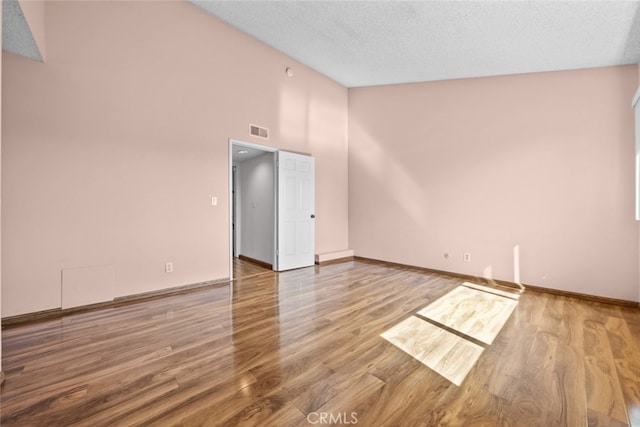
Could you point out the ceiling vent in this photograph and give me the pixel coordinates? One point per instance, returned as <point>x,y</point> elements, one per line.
<point>259,132</point>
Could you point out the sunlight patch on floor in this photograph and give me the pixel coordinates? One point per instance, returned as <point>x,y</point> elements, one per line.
<point>475,313</point>
<point>450,334</point>
<point>449,355</point>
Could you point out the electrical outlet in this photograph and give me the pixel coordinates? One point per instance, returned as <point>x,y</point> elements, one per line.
<point>467,257</point>
<point>168,267</point>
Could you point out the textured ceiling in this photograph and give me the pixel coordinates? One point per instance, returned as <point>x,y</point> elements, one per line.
<point>16,35</point>
<point>383,42</point>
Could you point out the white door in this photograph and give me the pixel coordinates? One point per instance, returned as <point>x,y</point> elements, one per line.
<point>295,243</point>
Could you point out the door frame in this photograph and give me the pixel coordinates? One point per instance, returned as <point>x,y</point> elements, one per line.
<point>236,142</point>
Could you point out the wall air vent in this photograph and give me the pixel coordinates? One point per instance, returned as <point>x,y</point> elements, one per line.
<point>259,132</point>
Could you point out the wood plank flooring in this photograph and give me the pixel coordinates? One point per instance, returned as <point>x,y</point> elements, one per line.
<point>243,268</point>
<point>477,314</point>
<point>284,349</point>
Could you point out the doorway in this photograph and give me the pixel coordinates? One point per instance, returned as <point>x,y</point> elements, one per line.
<point>271,209</point>
<point>252,196</point>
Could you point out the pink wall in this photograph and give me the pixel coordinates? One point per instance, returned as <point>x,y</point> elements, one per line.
<point>540,164</point>
<point>112,147</point>
<point>114,144</point>
<point>0,186</point>
<point>33,11</point>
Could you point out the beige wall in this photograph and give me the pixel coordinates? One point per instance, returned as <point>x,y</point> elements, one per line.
<point>0,186</point>
<point>112,147</point>
<point>114,144</point>
<point>540,165</point>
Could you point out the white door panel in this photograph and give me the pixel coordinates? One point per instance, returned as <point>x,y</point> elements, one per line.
<point>296,205</point>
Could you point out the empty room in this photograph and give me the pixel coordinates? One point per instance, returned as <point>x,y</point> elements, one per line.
<point>296,213</point>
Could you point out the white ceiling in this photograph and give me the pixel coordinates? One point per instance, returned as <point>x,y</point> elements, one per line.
<point>368,43</point>
<point>383,42</point>
<point>16,35</point>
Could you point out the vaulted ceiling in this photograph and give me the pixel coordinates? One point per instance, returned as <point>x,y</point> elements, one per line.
<point>382,42</point>
<point>368,43</point>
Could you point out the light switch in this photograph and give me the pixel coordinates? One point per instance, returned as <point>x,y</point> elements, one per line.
<point>214,201</point>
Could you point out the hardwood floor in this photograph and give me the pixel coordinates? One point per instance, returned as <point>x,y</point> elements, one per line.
<point>287,349</point>
<point>244,269</point>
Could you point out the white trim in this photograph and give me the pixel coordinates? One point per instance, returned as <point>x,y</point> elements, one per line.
<point>250,145</point>
<point>235,200</point>
<point>276,196</point>
<point>636,97</point>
